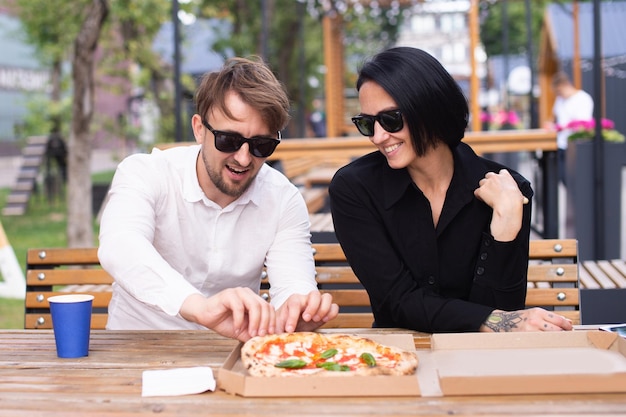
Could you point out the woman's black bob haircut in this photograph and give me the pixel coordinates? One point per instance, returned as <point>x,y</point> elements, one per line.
<point>431,101</point>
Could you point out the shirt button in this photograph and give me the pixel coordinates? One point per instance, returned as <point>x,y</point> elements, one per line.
<point>431,280</point>
<point>483,256</point>
<point>487,243</point>
<point>480,270</point>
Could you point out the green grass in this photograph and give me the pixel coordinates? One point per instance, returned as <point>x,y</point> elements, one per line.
<point>43,225</point>
<point>11,313</point>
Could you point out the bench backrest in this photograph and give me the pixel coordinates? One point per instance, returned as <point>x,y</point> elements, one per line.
<point>552,282</point>
<point>56,271</point>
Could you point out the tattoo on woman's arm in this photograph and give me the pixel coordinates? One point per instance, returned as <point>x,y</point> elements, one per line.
<point>503,321</point>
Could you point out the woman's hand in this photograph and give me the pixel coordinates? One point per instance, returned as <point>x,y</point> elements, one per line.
<point>532,319</point>
<point>501,193</point>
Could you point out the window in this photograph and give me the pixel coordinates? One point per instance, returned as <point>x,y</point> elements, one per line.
<point>423,24</point>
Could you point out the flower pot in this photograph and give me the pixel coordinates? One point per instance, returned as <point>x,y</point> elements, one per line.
<point>581,198</point>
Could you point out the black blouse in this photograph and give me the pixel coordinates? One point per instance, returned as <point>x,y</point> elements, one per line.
<point>443,279</point>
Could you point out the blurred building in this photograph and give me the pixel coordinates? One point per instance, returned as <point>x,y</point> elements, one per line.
<point>21,78</point>
<point>558,53</point>
<point>441,28</point>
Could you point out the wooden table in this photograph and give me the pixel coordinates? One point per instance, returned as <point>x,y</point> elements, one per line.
<point>34,382</point>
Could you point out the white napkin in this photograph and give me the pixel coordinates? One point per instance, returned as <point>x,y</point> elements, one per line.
<point>180,381</point>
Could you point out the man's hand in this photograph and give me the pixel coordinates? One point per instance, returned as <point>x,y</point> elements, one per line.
<point>532,319</point>
<point>305,312</point>
<point>238,313</point>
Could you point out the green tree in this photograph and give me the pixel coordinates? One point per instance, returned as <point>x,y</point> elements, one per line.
<point>79,211</point>
<point>72,29</point>
<point>299,61</point>
<point>130,56</point>
<point>492,30</point>
<point>52,27</point>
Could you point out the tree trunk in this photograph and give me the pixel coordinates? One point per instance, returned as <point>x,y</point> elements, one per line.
<point>79,207</point>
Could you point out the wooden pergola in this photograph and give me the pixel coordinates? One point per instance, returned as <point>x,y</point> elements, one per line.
<point>332,25</point>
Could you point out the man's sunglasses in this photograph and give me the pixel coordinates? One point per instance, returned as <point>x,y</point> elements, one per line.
<point>229,142</point>
<point>390,120</point>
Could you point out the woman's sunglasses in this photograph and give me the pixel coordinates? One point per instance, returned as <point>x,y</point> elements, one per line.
<point>390,120</point>
<point>229,142</point>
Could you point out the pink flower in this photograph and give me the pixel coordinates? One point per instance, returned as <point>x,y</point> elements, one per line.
<point>512,118</point>
<point>607,124</point>
<point>586,125</point>
<point>585,129</point>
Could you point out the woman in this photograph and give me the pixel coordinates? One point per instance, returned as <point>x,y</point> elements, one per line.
<point>437,235</point>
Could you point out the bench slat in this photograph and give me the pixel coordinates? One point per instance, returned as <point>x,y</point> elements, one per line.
<point>351,321</point>
<point>552,281</point>
<point>614,274</point>
<point>549,297</point>
<point>553,248</point>
<point>552,273</point>
<point>63,256</point>
<point>586,280</point>
<point>573,315</point>
<point>350,298</point>
<point>67,277</point>
<point>620,266</point>
<point>44,321</point>
<point>328,252</point>
<point>335,275</point>
<point>597,274</point>
<point>39,299</point>
<point>315,198</point>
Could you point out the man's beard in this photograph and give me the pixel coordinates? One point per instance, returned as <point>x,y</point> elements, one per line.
<point>234,191</point>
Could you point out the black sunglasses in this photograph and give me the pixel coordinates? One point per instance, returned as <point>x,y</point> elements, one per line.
<point>390,120</point>
<point>229,142</point>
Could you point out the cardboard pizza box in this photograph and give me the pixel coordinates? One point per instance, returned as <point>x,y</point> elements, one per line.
<point>524,363</point>
<point>233,378</point>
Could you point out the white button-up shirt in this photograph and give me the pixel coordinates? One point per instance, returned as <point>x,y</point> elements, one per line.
<point>163,240</point>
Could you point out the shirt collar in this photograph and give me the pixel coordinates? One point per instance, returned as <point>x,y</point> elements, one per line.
<point>464,181</point>
<point>191,186</point>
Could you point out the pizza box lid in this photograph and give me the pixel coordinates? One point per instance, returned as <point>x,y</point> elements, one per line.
<point>233,378</point>
<point>524,363</point>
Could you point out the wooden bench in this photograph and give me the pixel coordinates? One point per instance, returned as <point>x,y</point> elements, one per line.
<point>603,291</point>
<point>315,198</point>
<point>552,282</point>
<point>295,167</point>
<point>55,271</point>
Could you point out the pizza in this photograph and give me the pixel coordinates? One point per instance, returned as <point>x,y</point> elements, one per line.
<point>311,353</point>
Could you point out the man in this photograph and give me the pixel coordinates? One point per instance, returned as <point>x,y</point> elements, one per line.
<point>186,232</point>
<point>570,104</point>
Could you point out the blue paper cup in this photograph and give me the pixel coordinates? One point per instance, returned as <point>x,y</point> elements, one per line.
<point>71,321</point>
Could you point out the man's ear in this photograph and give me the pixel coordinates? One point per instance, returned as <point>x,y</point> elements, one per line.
<point>198,128</point>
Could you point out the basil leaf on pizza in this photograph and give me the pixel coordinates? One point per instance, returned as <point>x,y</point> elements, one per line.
<point>311,353</point>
